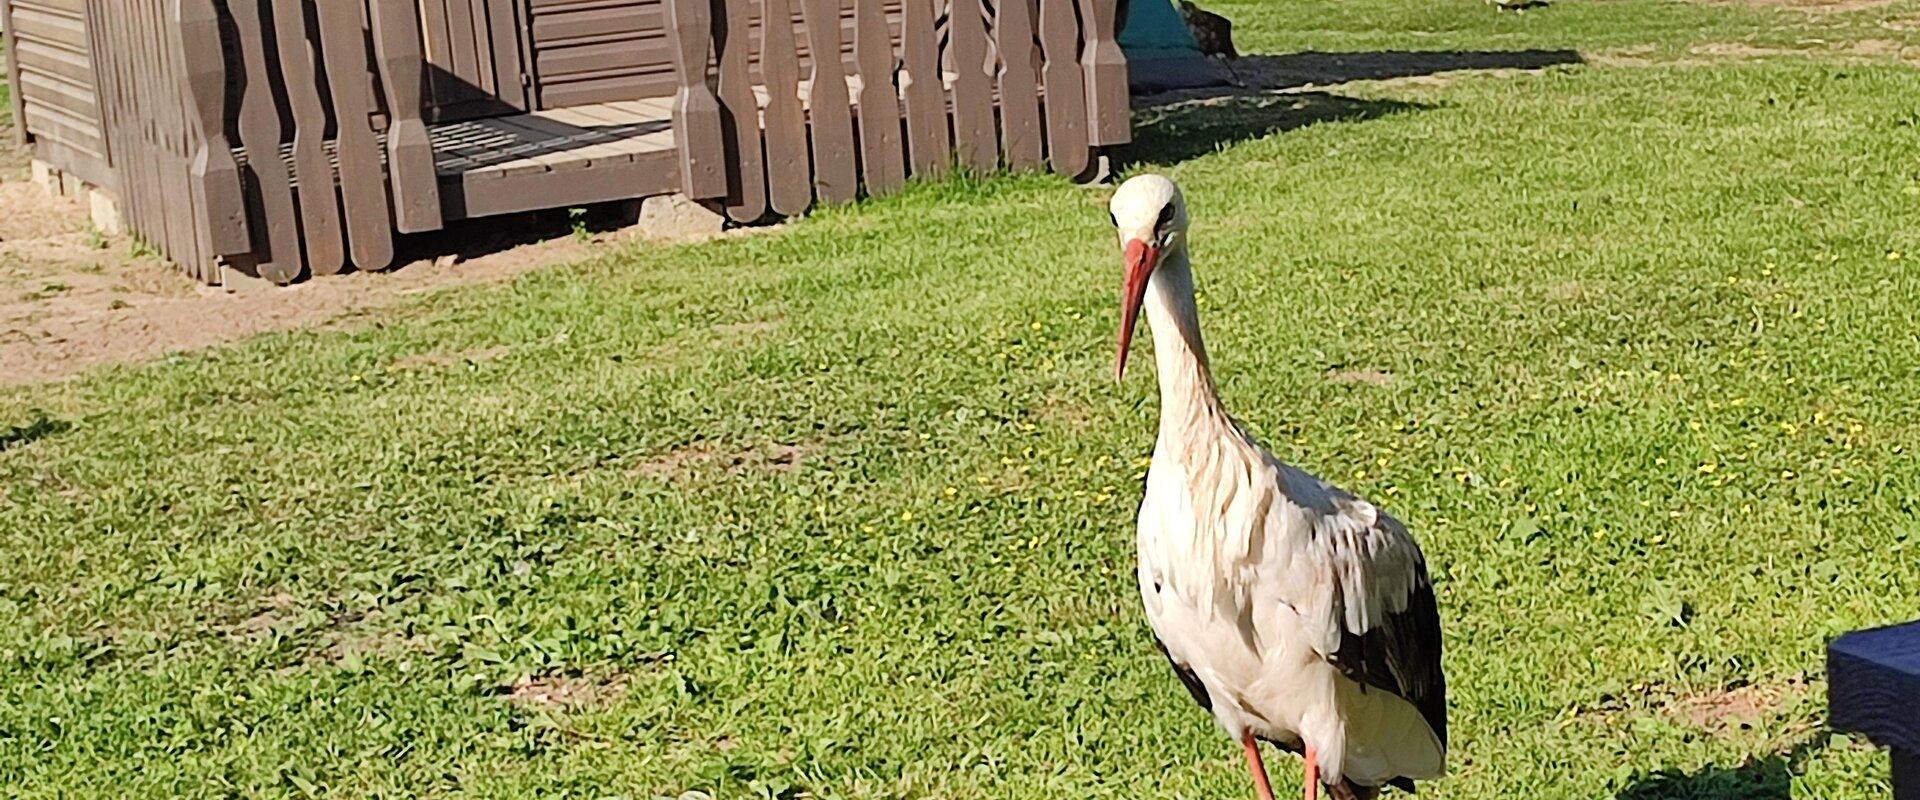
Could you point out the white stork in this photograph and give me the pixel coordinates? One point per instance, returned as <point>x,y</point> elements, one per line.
<point>1295,612</point>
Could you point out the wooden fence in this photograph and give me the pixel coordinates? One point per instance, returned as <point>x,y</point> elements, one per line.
<point>1028,84</point>
<point>289,138</point>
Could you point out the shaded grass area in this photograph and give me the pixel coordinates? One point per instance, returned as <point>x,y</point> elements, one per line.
<point>846,512</point>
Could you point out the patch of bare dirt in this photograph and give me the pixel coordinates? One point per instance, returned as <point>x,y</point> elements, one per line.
<point>428,360</point>
<point>565,691</point>
<point>71,299</point>
<point>778,458</point>
<point>273,612</point>
<point>1370,377</point>
<point>1711,53</point>
<point>1738,707</point>
<point>1064,413</point>
<point>1809,6</point>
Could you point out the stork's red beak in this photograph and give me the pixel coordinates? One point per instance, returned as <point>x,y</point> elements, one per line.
<point>1141,258</point>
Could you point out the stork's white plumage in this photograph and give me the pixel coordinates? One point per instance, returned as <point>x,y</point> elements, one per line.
<point>1294,611</point>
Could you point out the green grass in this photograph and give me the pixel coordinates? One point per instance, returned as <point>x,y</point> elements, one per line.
<point>846,510</point>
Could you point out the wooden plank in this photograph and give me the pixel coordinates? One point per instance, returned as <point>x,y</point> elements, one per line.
<point>549,153</point>
<point>483,76</point>
<point>1066,106</point>
<point>974,137</point>
<point>343,47</point>
<point>1109,119</point>
<point>882,159</point>
<point>509,70</point>
<point>469,196</point>
<point>464,62</point>
<point>317,195</point>
<point>217,190</point>
<point>740,115</point>
<point>13,71</point>
<point>696,112</point>
<point>924,88</point>
<point>277,232</point>
<point>415,186</point>
<point>585,145</point>
<point>1020,136</point>
<point>789,178</point>
<point>836,178</point>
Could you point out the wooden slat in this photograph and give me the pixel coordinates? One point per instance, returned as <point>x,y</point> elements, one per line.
<point>1066,105</point>
<point>696,112</point>
<point>925,100</point>
<point>883,162</point>
<point>277,228</point>
<point>974,137</point>
<point>836,179</point>
<point>13,71</point>
<point>1109,119</point>
<point>317,194</point>
<point>363,190</point>
<point>589,145</point>
<point>508,68</point>
<point>482,196</point>
<point>217,191</point>
<point>1020,135</point>
<point>789,179</point>
<point>415,186</point>
<point>740,115</point>
<point>175,115</point>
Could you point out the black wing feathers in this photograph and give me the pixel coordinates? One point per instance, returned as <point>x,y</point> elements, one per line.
<point>1402,655</point>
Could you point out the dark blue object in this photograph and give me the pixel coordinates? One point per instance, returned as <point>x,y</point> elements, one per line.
<point>1873,688</point>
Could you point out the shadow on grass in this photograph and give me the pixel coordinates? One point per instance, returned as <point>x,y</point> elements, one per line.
<point>1322,69</point>
<point>1270,97</point>
<point>23,435</point>
<point>1769,778</point>
<point>1174,133</point>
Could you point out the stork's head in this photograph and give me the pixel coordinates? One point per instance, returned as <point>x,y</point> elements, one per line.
<point>1151,218</point>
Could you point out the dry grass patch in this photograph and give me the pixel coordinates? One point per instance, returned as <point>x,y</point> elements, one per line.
<point>707,456</point>
<point>1369,377</point>
<point>566,691</point>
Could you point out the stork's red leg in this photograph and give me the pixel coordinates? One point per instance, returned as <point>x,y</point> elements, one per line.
<point>1313,774</point>
<point>1258,767</point>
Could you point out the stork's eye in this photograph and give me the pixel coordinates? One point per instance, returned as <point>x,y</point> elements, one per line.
<point>1113,219</point>
<point>1166,218</point>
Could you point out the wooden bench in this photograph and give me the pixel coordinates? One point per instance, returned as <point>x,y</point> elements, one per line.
<point>1873,689</point>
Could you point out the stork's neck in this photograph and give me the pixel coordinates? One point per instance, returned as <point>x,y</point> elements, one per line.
<point>1189,403</point>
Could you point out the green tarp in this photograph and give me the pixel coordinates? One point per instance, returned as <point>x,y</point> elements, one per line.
<point>1161,53</point>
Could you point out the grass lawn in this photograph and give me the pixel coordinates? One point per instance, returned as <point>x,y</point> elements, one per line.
<point>846,511</point>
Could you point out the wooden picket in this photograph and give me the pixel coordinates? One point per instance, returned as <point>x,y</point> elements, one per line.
<point>974,137</point>
<point>882,162</point>
<point>1065,86</point>
<point>362,181</point>
<point>1020,135</point>
<point>277,228</point>
<point>829,108</point>
<point>740,116</point>
<point>924,99</point>
<point>320,227</point>
<point>789,178</point>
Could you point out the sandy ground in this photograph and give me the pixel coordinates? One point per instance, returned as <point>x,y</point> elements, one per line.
<point>71,299</point>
